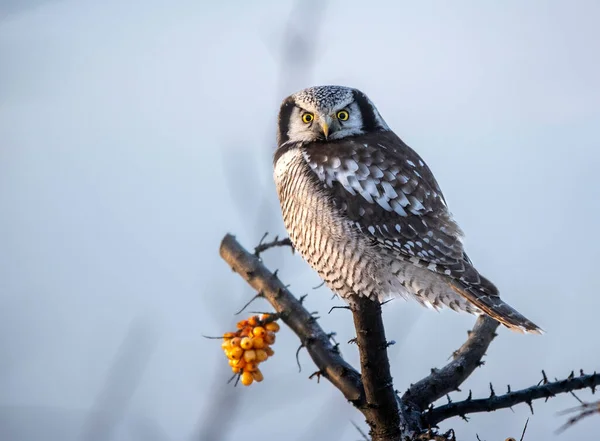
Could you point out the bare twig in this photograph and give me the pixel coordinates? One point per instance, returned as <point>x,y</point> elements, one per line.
<point>466,359</point>
<point>363,434</point>
<point>490,404</point>
<point>583,411</point>
<point>276,242</point>
<point>524,430</point>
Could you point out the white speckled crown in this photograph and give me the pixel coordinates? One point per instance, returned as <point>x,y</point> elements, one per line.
<point>324,96</point>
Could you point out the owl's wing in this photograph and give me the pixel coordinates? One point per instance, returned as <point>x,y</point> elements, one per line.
<point>389,193</point>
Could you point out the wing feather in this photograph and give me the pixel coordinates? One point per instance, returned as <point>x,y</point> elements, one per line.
<point>387,190</point>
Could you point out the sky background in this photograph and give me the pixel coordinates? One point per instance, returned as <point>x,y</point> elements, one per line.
<point>135,134</point>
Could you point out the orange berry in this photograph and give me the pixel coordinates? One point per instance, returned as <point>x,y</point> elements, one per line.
<point>259,331</point>
<point>258,376</point>
<point>236,353</point>
<point>253,321</point>
<point>241,324</point>
<point>225,344</point>
<point>250,367</point>
<point>272,326</point>
<point>235,341</point>
<point>270,352</point>
<point>258,342</point>
<point>270,338</point>
<point>246,343</point>
<point>228,335</point>
<point>236,369</point>
<point>249,355</point>
<point>246,378</point>
<point>261,355</point>
<point>265,317</point>
<point>238,363</point>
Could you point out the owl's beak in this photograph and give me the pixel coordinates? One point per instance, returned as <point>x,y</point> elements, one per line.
<point>325,123</point>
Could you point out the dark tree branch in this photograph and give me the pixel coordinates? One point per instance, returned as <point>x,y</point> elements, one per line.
<point>548,390</point>
<point>316,341</point>
<point>466,359</point>
<point>381,408</point>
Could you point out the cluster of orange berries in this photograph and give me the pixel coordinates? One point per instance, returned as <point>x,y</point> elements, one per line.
<point>249,346</point>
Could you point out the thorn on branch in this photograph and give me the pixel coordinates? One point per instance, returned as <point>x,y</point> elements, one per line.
<point>492,393</point>
<point>302,298</point>
<point>258,295</point>
<point>298,357</point>
<point>577,398</point>
<point>319,285</point>
<point>338,307</point>
<point>530,404</point>
<point>316,374</point>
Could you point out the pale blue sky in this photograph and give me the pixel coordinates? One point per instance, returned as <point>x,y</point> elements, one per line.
<point>135,134</point>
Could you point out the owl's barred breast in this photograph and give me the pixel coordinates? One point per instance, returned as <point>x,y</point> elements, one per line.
<point>344,259</point>
<point>348,262</point>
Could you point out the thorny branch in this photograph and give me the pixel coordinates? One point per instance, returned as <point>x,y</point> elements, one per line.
<point>495,402</point>
<point>390,417</point>
<point>465,360</point>
<point>329,362</point>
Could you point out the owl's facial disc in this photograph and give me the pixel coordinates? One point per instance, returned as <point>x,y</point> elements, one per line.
<point>313,123</point>
<point>326,113</point>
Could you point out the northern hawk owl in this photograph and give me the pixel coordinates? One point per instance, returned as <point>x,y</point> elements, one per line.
<point>366,212</point>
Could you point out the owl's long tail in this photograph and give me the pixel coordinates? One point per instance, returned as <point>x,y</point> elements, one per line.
<point>495,307</point>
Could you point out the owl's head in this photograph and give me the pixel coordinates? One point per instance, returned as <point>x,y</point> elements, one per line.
<point>324,113</point>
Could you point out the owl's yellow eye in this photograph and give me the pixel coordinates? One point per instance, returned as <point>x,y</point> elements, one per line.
<point>343,115</point>
<point>307,118</point>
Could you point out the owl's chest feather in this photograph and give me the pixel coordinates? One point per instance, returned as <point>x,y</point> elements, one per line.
<point>319,232</point>
<point>307,213</point>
